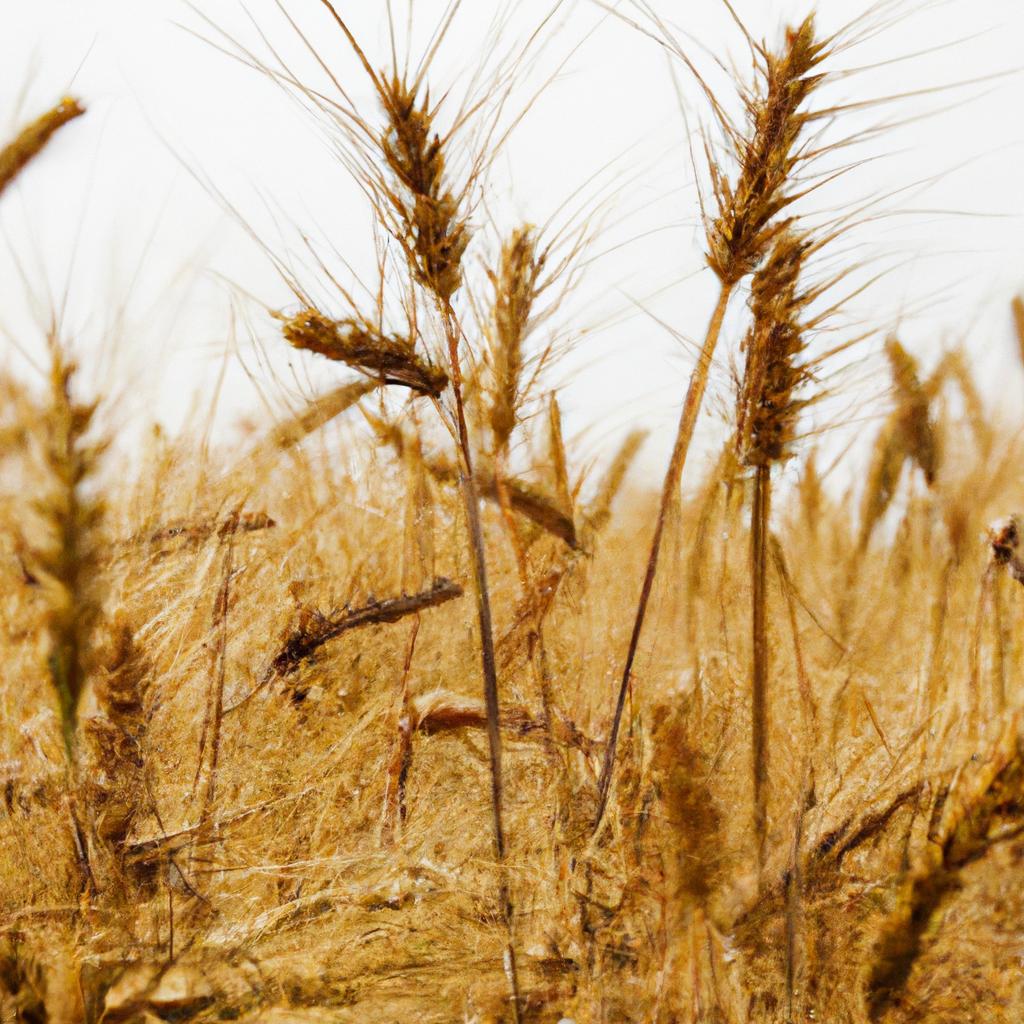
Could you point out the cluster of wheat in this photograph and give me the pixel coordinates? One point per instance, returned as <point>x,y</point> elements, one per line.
<point>424,736</point>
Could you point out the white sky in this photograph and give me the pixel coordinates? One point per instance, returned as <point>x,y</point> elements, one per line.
<point>114,214</point>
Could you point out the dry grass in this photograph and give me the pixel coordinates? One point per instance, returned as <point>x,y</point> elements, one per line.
<point>272,890</point>
<point>290,738</point>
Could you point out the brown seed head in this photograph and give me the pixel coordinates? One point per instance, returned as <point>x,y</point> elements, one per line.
<point>767,408</point>
<point>515,289</point>
<point>739,235</point>
<point>360,346</point>
<point>436,235</point>
<point>1004,538</point>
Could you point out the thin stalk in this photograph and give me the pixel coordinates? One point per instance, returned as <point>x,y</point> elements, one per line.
<point>794,878</point>
<point>759,669</point>
<point>673,476</point>
<point>471,499</point>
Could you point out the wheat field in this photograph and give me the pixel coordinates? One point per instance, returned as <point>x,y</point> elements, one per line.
<point>396,710</point>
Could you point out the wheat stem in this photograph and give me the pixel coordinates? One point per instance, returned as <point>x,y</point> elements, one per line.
<point>471,501</point>
<point>759,658</point>
<point>684,435</point>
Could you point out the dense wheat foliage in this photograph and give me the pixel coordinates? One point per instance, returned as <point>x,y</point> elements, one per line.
<point>332,724</point>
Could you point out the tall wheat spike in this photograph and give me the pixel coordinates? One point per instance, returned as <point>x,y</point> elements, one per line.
<point>739,234</point>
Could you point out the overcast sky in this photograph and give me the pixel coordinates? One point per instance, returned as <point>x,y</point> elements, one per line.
<point>128,212</point>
